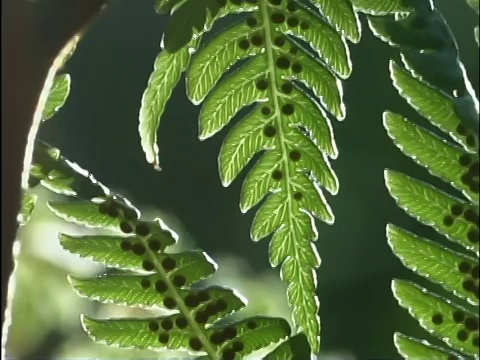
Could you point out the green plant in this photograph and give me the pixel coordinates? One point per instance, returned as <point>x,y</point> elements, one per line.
<point>296,59</point>
<point>433,83</point>
<point>150,276</point>
<point>297,54</point>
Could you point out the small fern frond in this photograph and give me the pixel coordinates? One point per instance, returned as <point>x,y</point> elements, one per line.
<point>151,277</point>
<point>282,64</point>
<point>433,83</point>
<point>57,96</point>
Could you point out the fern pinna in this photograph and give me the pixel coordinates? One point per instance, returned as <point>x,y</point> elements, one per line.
<point>433,83</point>
<point>151,277</point>
<point>296,53</point>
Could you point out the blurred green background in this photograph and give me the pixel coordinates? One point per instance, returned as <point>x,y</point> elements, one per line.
<point>97,128</point>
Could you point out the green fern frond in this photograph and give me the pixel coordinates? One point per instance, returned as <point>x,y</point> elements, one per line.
<point>151,277</point>
<point>433,83</point>
<point>293,57</point>
<point>57,96</point>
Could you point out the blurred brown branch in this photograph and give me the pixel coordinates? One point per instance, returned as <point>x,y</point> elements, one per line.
<point>29,49</point>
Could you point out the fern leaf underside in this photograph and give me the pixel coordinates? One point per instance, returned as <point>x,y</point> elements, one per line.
<point>151,277</point>
<point>446,100</point>
<point>293,58</point>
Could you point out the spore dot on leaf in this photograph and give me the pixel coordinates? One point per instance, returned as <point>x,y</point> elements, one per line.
<point>203,295</point>
<point>221,305</point>
<point>154,244</point>
<point>292,22</point>
<point>138,249</point>
<point>181,322</point>
<point>148,265</point>
<point>34,181</point>
<point>266,110</point>
<point>297,68</point>
<point>256,40</point>
<point>201,317</point>
<point>471,323</point>
<point>291,6</point>
<point>287,88</point>
<point>298,195</point>
<point>167,324</point>
<point>125,245</point>
<point>277,175</point>
<point>470,140</point>
<point>252,22</point>
<point>295,155</point>
<point>222,3</point>
<point>475,341</point>
<point>452,357</point>
<point>106,208</point>
<point>448,221</point>
<point>462,129</point>
<point>456,210</point>
<point>304,25</point>
<point>474,168</point>
<point>217,337</point>
<point>458,316</point>
<point>230,332</point>
<point>277,18</point>
<point>475,272</point>
<point>464,267</point>
<point>126,227</point>
<point>437,319</point>
<point>262,85</point>
<point>191,300</point>
<point>153,326</point>
<point>130,214</point>
<point>238,346</point>
<point>282,63</point>
<point>471,216</point>
<point>466,179</point>
<point>293,50</point>
<point>472,236</point>
<point>228,354</point>
<point>269,131</point>
<point>236,2</point>
<point>195,344</point>
<point>275,2</point>
<point>469,285</point>
<point>252,324</point>
<point>251,1</point>
<point>142,229</point>
<point>163,338</point>
<point>145,283</point>
<point>169,264</point>
<point>161,286</point>
<point>288,109</point>
<point>474,188</point>
<point>243,44</point>
<point>464,160</point>
<point>211,309</point>
<point>169,303</point>
<point>462,335</point>
<point>279,41</point>
<point>179,280</point>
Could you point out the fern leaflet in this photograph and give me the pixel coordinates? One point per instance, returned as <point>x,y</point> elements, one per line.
<point>433,83</point>
<point>150,276</point>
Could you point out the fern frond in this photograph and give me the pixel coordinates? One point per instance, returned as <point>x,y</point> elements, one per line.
<point>150,276</point>
<point>433,83</point>
<point>285,60</point>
